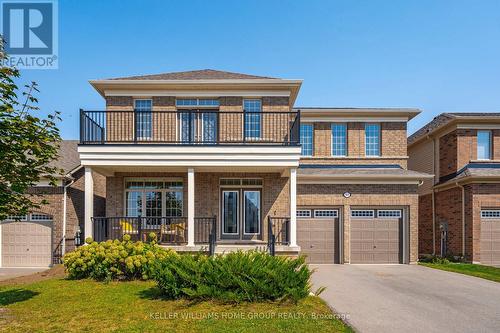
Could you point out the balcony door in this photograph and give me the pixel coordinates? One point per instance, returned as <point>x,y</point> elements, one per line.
<point>240,213</point>
<point>198,126</point>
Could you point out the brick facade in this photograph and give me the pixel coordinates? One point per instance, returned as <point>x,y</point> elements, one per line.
<point>383,195</point>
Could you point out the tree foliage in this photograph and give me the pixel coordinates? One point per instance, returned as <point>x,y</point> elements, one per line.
<point>28,143</point>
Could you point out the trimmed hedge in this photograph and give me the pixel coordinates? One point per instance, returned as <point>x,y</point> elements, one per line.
<point>114,259</point>
<point>234,277</point>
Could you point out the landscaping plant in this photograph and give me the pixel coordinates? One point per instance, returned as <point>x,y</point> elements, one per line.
<point>114,259</point>
<point>233,277</point>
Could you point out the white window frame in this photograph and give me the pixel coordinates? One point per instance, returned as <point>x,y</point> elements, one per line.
<point>240,182</point>
<point>489,145</point>
<point>244,216</point>
<point>135,120</point>
<point>363,210</point>
<point>197,104</point>
<point>485,212</point>
<point>311,125</point>
<point>398,214</point>
<point>17,218</point>
<point>379,138</point>
<point>252,113</point>
<point>344,125</point>
<point>237,233</point>
<point>144,191</point>
<point>307,216</point>
<point>40,217</point>
<point>335,213</point>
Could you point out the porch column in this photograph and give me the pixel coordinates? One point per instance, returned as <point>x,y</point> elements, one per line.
<point>89,202</point>
<point>190,214</point>
<point>293,207</point>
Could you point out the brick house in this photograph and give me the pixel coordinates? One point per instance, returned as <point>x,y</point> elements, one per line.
<point>217,161</point>
<point>460,206</point>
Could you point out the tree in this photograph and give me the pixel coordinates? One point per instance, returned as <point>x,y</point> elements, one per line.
<point>28,143</point>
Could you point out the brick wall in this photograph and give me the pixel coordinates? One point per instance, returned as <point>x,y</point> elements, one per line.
<point>448,154</point>
<point>448,206</point>
<point>364,195</point>
<point>425,226</point>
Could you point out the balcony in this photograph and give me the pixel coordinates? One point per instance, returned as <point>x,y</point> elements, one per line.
<point>204,127</point>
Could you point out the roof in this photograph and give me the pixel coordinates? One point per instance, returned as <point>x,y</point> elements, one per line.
<point>68,156</point>
<point>361,172</point>
<point>204,74</point>
<point>473,170</point>
<point>445,118</point>
<point>349,112</point>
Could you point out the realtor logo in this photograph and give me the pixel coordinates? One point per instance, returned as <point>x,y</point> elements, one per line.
<point>30,32</point>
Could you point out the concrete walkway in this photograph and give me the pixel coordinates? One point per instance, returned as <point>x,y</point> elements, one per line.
<point>9,273</point>
<point>409,298</point>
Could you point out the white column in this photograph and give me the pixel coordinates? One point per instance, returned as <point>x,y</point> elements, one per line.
<point>89,201</point>
<point>190,214</point>
<point>293,207</point>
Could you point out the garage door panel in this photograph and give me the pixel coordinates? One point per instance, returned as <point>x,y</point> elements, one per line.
<point>315,236</point>
<point>490,241</point>
<point>26,244</point>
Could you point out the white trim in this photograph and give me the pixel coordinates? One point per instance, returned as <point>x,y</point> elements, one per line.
<point>308,215</point>
<point>334,216</point>
<point>375,180</point>
<point>391,211</point>
<point>332,119</point>
<point>293,207</point>
<point>197,81</point>
<point>478,126</point>
<point>237,213</point>
<point>198,93</point>
<point>190,199</point>
<point>244,217</point>
<point>490,145</point>
<point>371,216</point>
<point>493,211</point>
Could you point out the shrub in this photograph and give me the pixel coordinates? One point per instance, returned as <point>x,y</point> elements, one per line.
<point>114,259</point>
<point>234,277</point>
<point>433,259</point>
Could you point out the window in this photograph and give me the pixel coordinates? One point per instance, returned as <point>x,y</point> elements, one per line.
<point>306,139</point>
<point>153,198</point>
<point>372,139</point>
<point>143,118</point>
<point>325,213</point>
<point>389,213</point>
<point>17,218</point>
<point>490,213</point>
<point>240,182</point>
<point>252,109</point>
<point>339,139</point>
<point>303,213</point>
<point>251,211</point>
<point>362,213</point>
<point>189,102</point>
<point>40,217</point>
<point>483,145</point>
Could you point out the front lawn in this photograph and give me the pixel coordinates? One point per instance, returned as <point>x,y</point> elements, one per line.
<point>59,305</point>
<point>485,272</point>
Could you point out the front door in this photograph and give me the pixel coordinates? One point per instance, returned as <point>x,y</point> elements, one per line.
<point>240,214</point>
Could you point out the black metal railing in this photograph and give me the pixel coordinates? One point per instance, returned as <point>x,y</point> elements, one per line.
<point>278,230</point>
<point>169,230</point>
<point>200,127</point>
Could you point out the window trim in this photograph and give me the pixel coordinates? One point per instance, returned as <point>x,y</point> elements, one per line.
<point>400,213</point>
<point>252,138</point>
<point>135,118</point>
<point>363,210</point>
<point>312,139</point>
<point>490,210</point>
<point>335,215</point>
<point>244,191</point>
<point>490,150</point>
<point>197,105</point>
<point>379,134</point>
<point>237,233</point>
<point>344,125</point>
<point>309,215</point>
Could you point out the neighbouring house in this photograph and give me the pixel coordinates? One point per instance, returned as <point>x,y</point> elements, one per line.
<point>218,161</point>
<point>37,239</point>
<point>459,209</point>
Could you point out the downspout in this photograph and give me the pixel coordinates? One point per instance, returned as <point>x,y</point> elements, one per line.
<point>463,218</point>
<point>65,191</point>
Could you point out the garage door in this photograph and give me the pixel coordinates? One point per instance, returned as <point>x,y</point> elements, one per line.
<point>317,232</point>
<point>375,236</point>
<point>490,237</point>
<point>26,244</point>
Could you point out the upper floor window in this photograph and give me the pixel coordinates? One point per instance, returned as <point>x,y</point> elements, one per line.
<point>483,145</point>
<point>372,139</point>
<point>339,140</point>
<point>306,139</point>
<point>252,109</point>
<point>197,102</point>
<point>143,118</point>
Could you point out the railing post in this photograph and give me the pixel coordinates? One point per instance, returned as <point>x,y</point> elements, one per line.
<point>81,126</point>
<point>134,115</point>
<point>139,227</point>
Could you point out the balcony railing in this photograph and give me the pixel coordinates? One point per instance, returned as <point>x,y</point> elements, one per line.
<point>169,230</point>
<point>190,127</point>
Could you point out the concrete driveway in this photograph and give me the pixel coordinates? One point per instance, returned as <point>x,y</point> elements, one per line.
<point>9,273</point>
<point>409,298</point>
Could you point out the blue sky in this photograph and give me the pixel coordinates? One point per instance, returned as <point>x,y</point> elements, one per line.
<point>439,56</point>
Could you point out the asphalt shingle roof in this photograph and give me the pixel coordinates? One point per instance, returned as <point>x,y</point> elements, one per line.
<point>204,74</point>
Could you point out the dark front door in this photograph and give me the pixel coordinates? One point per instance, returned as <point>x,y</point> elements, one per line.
<point>241,215</point>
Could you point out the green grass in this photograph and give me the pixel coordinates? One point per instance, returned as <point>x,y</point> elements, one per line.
<point>60,305</point>
<point>485,272</point>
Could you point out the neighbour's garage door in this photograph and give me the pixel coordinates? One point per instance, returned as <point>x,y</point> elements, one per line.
<point>375,236</point>
<point>317,235</point>
<point>26,244</point>
<point>490,237</point>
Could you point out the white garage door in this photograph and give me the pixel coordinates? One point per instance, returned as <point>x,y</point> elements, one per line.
<point>375,236</point>
<point>26,244</point>
<point>490,237</point>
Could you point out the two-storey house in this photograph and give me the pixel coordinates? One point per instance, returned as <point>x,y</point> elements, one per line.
<point>459,207</point>
<point>217,161</point>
